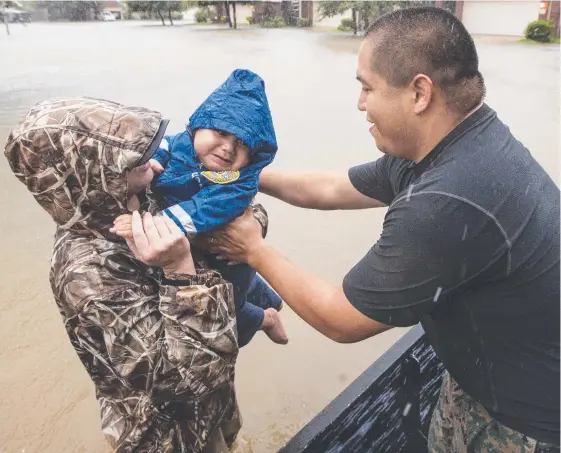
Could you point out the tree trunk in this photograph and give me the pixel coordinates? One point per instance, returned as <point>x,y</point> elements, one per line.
<point>162,17</point>
<point>234,15</point>
<point>227,5</point>
<point>355,21</point>
<point>169,16</point>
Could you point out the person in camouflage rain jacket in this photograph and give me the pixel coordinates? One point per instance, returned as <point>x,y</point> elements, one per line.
<point>160,352</point>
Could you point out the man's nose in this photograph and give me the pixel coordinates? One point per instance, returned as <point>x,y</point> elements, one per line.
<point>361,104</point>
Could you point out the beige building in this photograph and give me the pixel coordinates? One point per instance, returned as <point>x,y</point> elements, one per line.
<point>504,17</point>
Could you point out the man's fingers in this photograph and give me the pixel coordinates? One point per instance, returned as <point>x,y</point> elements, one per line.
<point>172,226</point>
<point>152,233</point>
<point>139,236</point>
<point>132,247</point>
<point>162,227</point>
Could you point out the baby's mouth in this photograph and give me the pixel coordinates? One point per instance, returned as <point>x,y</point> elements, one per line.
<point>223,159</point>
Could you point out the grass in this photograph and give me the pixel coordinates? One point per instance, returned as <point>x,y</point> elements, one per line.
<point>529,41</point>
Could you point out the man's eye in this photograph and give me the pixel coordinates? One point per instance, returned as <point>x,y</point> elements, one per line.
<point>366,90</point>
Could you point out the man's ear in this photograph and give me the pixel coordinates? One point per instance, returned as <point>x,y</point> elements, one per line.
<point>422,88</point>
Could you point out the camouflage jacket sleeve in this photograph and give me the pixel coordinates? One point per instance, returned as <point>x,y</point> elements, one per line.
<point>171,343</point>
<point>260,214</point>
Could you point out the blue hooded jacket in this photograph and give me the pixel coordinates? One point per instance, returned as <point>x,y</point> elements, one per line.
<point>196,199</point>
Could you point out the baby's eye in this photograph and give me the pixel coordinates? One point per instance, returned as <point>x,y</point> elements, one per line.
<point>222,133</point>
<point>242,144</point>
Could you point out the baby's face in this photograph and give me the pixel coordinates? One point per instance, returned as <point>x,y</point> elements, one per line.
<point>220,151</point>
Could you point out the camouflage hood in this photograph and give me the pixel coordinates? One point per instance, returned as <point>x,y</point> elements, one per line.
<point>74,154</point>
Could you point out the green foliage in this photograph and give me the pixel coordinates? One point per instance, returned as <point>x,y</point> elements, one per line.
<point>539,30</point>
<point>275,22</point>
<point>304,22</point>
<point>249,20</point>
<point>333,8</point>
<point>347,24</point>
<point>365,12</point>
<point>203,15</point>
<point>71,10</point>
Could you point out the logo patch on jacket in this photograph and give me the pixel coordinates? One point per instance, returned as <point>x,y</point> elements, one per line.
<point>221,177</point>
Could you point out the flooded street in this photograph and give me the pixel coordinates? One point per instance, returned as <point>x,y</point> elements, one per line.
<point>47,402</point>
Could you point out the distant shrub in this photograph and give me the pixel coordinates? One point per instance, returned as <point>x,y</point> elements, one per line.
<point>539,30</point>
<point>346,25</point>
<point>275,22</point>
<point>202,15</point>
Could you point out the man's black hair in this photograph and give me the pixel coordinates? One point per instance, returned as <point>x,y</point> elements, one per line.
<point>430,41</point>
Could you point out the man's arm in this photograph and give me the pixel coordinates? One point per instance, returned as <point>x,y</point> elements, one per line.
<point>322,191</point>
<point>322,305</point>
<point>417,263</point>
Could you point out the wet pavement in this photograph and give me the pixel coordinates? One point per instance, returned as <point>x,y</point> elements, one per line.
<point>47,403</point>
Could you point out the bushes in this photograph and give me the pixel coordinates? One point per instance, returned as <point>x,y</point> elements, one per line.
<point>249,20</point>
<point>274,22</point>
<point>539,30</point>
<point>346,25</point>
<point>203,15</point>
<point>305,22</point>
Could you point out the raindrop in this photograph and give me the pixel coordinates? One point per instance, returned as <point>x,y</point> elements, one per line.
<point>407,409</point>
<point>409,192</point>
<point>464,234</point>
<point>463,271</point>
<point>437,294</point>
<point>527,188</point>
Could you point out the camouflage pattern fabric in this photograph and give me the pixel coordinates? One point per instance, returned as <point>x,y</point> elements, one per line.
<point>462,425</point>
<point>161,357</point>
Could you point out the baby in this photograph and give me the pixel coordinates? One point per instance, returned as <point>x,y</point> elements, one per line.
<point>209,175</point>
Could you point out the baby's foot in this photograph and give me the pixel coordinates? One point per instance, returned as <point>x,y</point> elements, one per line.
<point>272,326</point>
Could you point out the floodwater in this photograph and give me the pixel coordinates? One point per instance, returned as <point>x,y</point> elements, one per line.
<point>47,402</point>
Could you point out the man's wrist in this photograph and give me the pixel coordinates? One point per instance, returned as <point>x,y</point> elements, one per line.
<point>257,254</point>
<point>186,267</point>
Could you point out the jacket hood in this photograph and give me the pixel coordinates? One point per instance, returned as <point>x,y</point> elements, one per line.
<point>239,106</point>
<point>74,154</point>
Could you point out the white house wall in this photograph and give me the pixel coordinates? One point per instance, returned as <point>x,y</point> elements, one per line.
<point>495,17</point>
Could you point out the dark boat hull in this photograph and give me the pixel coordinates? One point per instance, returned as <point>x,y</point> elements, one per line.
<point>385,410</point>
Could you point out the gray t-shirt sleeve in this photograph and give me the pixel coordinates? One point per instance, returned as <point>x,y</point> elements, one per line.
<point>431,246</point>
<point>373,180</point>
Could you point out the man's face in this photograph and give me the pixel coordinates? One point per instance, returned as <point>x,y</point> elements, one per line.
<point>139,178</point>
<point>220,151</point>
<point>387,108</point>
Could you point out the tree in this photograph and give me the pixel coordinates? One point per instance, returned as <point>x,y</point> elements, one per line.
<point>234,14</point>
<point>151,7</point>
<point>70,10</point>
<point>231,16</point>
<point>334,8</point>
<point>365,12</point>
<point>5,17</point>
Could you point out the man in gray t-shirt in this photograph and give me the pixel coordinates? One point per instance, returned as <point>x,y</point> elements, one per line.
<point>469,248</point>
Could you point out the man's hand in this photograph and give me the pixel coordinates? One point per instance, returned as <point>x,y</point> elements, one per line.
<point>158,241</point>
<point>237,241</point>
